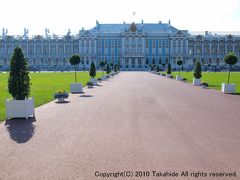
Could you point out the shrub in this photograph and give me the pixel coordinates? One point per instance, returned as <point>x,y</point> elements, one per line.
<point>115,68</point>
<point>169,69</point>
<point>171,77</point>
<point>99,79</point>
<point>163,74</point>
<point>198,71</point>
<point>108,70</point>
<point>230,59</point>
<point>74,61</point>
<point>184,79</point>
<point>92,71</point>
<point>89,84</point>
<point>157,68</point>
<point>205,84</point>
<point>18,81</point>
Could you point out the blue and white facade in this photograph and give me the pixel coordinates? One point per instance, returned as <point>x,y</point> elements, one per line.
<point>133,46</point>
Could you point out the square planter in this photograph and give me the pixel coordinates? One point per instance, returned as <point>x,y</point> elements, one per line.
<point>179,78</point>
<point>76,88</point>
<point>228,88</point>
<point>103,78</point>
<point>196,82</point>
<point>61,99</point>
<point>20,108</point>
<point>168,75</point>
<point>94,81</point>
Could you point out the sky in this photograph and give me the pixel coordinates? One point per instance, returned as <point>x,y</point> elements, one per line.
<point>59,16</point>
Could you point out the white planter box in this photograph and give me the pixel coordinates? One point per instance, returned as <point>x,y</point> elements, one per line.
<point>196,82</point>
<point>178,78</point>
<point>76,88</point>
<point>19,108</point>
<point>168,75</point>
<point>228,88</point>
<point>103,78</point>
<point>94,81</point>
<point>61,100</point>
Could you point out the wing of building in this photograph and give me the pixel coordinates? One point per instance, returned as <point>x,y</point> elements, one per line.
<point>133,46</point>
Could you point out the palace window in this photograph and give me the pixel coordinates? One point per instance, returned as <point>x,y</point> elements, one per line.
<point>146,43</point>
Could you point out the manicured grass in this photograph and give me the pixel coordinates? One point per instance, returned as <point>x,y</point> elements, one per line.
<point>44,85</point>
<point>214,79</point>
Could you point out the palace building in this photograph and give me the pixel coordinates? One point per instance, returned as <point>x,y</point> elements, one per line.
<point>134,46</point>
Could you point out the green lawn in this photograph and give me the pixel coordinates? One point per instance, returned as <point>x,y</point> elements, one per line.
<point>44,85</point>
<point>214,79</point>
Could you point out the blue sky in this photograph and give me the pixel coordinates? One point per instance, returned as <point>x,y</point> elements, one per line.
<point>59,16</point>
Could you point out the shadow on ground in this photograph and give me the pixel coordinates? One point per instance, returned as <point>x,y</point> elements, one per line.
<point>64,102</point>
<point>21,130</point>
<point>85,95</point>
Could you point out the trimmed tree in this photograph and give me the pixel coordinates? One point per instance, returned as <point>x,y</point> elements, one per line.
<point>92,71</point>
<point>169,69</point>
<point>179,63</point>
<point>230,59</point>
<point>157,68</point>
<point>115,68</point>
<point>74,61</point>
<point>18,81</point>
<point>102,65</point>
<point>198,71</point>
<point>108,70</point>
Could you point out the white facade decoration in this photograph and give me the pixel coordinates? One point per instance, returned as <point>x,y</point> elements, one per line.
<point>133,46</point>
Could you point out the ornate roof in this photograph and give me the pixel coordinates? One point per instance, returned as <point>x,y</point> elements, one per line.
<point>146,27</point>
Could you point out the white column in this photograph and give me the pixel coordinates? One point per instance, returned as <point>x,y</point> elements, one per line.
<point>72,46</point>
<point>42,46</point>
<point>210,47</point>
<point>49,47</point>
<point>34,48</point>
<point>79,45</point>
<point>181,46</point>
<point>84,47</point>
<point>225,46</point>
<point>176,46</point>
<point>64,47</point>
<point>5,47</point>
<point>57,47</point>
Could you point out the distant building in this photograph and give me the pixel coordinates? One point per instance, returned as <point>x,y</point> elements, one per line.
<point>133,46</point>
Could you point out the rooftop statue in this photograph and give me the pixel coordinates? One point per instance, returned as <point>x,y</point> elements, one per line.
<point>4,33</point>
<point>47,33</point>
<point>25,34</point>
<point>68,33</point>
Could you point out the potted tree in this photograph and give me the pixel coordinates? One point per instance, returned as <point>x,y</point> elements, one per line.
<point>169,70</point>
<point>92,74</point>
<point>19,87</point>
<point>102,65</point>
<point>179,63</point>
<point>75,87</point>
<point>197,74</point>
<point>108,70</point>
<point>230,59</point>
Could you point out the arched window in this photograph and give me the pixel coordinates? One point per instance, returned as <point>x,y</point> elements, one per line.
<point>160,60</point>
<point>153,61</point>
